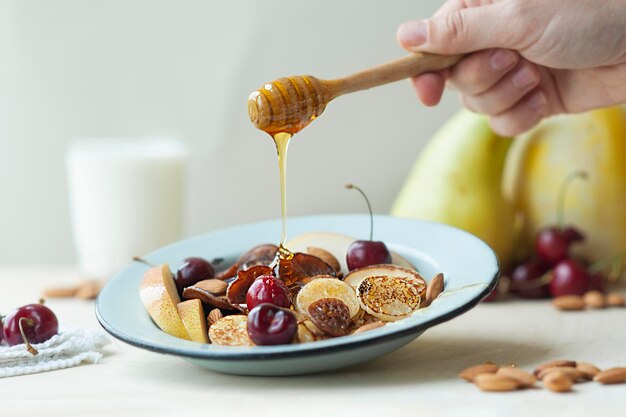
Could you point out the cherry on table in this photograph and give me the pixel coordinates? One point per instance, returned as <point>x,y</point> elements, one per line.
<point>32,323</point>
<point>268,289</point>
<point>526,280</point>
<point>362,253</point>
<point>569,277</point>
<point>268,324</point>
<point>192,270</point>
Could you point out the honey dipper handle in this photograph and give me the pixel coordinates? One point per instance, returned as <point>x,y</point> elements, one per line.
<point>405,67</point>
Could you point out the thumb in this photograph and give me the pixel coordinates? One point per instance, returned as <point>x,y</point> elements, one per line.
<point>460,31</point>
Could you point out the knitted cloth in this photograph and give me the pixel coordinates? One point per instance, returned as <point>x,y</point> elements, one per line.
<point>69,348</point>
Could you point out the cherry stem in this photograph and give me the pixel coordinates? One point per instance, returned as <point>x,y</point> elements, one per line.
<point>143,261</point>
<point>606,262</point>
<point>565,186</point>
<point>369,207</point>
<point>30,323</point>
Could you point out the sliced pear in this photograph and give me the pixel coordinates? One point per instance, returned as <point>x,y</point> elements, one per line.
<point>159,296</point>
<point>327,288</point>
<point>355,277</point>
<point>337,245</point>
<point>194,319</point>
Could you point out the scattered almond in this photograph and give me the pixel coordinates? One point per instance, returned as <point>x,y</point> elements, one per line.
<point>554,363</point>
<point>573,373</point>
<point>588,370</point>
<point>325,256</point>
<point>88,290</point>
<point>368,327</point>
<point>495,382</point>
<point>569,303</point>
<point>558,381</point>
<point>594,299</point>
<point>525,379</point>
<point>615,300</point>
<point>60,292</point>
<point>434,288</point>
<point>611,376</point>
<point>214,316</point>
<point>469,374</point>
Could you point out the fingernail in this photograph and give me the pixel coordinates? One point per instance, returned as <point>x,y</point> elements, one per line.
<point>524,78</point>
<point>502,59</point>
<point>413,33</point>
<point>537,101</point>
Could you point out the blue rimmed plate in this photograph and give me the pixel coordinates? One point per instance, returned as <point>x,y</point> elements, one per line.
<point>470,268</point>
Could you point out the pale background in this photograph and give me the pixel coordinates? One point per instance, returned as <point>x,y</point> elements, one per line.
<point>81,68</point>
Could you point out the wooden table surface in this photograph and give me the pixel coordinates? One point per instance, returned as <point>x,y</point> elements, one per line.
<point>418,380</point>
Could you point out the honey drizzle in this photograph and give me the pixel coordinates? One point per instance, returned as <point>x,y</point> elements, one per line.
<point>282,144</point>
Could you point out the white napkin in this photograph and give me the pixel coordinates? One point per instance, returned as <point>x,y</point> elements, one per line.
<point>69,348</point>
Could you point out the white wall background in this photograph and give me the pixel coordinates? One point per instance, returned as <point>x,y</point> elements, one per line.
<point>80,68</point>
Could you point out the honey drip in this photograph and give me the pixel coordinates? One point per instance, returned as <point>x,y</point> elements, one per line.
<point>282,144</point>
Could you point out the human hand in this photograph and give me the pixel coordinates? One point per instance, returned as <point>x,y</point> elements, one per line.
<point>526,59</point>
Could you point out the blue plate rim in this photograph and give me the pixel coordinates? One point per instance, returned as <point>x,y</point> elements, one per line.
<point>256,356</point>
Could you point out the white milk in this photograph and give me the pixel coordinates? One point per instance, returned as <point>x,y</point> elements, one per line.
<point>126,199</point>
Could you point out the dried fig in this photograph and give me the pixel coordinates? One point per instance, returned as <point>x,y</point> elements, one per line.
<point>237,290</point>
<point>330,315</point>
<point>302,266</point>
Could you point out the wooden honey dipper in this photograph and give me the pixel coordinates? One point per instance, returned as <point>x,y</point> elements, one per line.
<point>289,104</point>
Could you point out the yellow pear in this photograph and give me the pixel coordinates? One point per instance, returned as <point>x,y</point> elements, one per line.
<point>539,161</point>
<point>457,180</point>
<point>194,319</point>
<point>159,296</point>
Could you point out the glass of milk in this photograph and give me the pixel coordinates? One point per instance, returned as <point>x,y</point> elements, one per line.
<point>126,199</point>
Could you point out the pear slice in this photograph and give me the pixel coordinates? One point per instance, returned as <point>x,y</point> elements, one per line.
<point>337,245</point>
<point>355,277</point>
<point>159,296</point>
<point>194,319</point>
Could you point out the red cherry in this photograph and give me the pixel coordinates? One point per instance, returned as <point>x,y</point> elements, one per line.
<point>551,245</point>
<point>192,270</point>
<point>362,253</point>
<point>569,278</point>
<point>268,289</point>
<point>32,323</point>
<point>572,234</point>
<point>271,325</point>
<point>526,280</point>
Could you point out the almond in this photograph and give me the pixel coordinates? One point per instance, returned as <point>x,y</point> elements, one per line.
<point>554,363</point>
<point>88,290</point>
<point>214,286</point>
<point>558,381</point>
<point>525,379</point>
<point>594,299</point>
<point>573,373</point>
<point>368,327</point>
<point>60,292</point>
<point>470,373</point>
<point>325,256</point>
<point>434,288</point>
<point>495,382</point>
<point>615,300</point>
<point>569,302</point>
<point>611,376</point>
<point>588,370</point>
<point>214,316</point>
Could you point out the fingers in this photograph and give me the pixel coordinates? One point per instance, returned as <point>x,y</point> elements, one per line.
<point>480,71</point>
<point>429,87</point>
<point>462,30</point>
<point>523,116</point>
<point>506,92</point>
